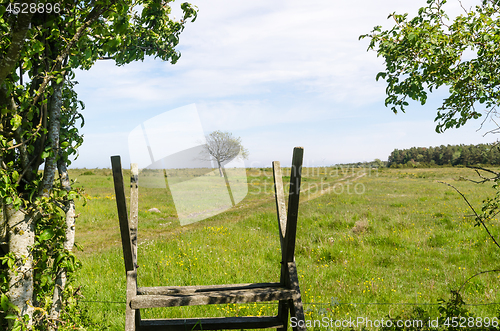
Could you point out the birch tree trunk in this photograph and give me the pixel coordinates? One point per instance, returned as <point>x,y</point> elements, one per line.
<point>49,171</point>
<point>50,166</point>
<point>21,225</point>
<point>69,242</point>
<point>21,241</point>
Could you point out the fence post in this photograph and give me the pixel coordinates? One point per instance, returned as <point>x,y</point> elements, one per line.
<point>134,207</point>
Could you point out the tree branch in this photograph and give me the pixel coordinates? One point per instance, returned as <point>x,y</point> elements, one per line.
<point>475,213</point>
<point>479,273</point>
<point>17,38</point>
<point>93,15</point>
<point>485,179</point>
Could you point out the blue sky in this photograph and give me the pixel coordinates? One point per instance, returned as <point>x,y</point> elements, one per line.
<point>278,74</point>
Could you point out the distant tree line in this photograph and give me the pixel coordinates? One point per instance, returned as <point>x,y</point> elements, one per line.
<point>377,163</point>
<point>445,155</point>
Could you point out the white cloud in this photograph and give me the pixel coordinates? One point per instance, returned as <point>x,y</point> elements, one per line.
<point>263,69</point>
<point>238,48</point>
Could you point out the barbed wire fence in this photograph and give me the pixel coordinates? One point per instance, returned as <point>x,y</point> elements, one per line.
<point>337,303</point>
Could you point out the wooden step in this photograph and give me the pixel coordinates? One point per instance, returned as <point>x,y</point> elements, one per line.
<point>171,296</point>
<point>216,323</point>
<point>161,290</point>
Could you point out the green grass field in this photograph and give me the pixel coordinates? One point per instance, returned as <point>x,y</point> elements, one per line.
<point>395,237</point>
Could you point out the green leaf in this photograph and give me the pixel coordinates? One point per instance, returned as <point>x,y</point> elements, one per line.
<point>380,74</point>
<point>15,176</point>
<point>55,33</point>
<point>4,302</point>
<point>38,46</point>
<point>60,257</point>
<point>26,64</point>
<point>88,54</point>
<point>16,121</point>
<point>46,235</point>
<point>43,280</point>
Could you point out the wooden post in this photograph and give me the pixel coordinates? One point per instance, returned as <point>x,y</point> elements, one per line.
<point>132,317</point>
<point>121,204</point>
<point>293,203</point>
<point>128,252</point>
<point>291,279</point>
<point>288,229</point>
<point>281,213</point>
<point>280,200</point>
<point>295,304</point>
<point>134,207</point>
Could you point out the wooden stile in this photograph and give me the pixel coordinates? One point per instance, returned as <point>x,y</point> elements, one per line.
<point>286,292</point>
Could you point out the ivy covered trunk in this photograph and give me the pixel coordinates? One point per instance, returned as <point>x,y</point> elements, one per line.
<point>21,241</point>
<point>69,242</point>
<point>39,119</point>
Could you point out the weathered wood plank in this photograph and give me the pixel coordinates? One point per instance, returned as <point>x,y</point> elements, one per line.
<point>293,203</point>
<point>121,205</point>
<point>134,207</point>
<point>130,314</point>
<point>165,290</point>
<point>212,297</point>
<point>282,219</point>
<point>216,323</point>
<point>296,309</point>
<point>280,200</point>
<point>283,314</point>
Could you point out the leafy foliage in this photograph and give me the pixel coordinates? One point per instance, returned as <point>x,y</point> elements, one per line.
<point>453,316</point>
<point>40,116</point>
<point>426,52</point>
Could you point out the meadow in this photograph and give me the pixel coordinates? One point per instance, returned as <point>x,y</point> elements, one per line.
<point>371,243</point>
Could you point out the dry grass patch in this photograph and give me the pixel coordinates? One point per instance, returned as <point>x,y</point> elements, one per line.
<point>360,226</point>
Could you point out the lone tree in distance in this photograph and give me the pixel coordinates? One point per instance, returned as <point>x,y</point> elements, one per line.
<point>223,147</point>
